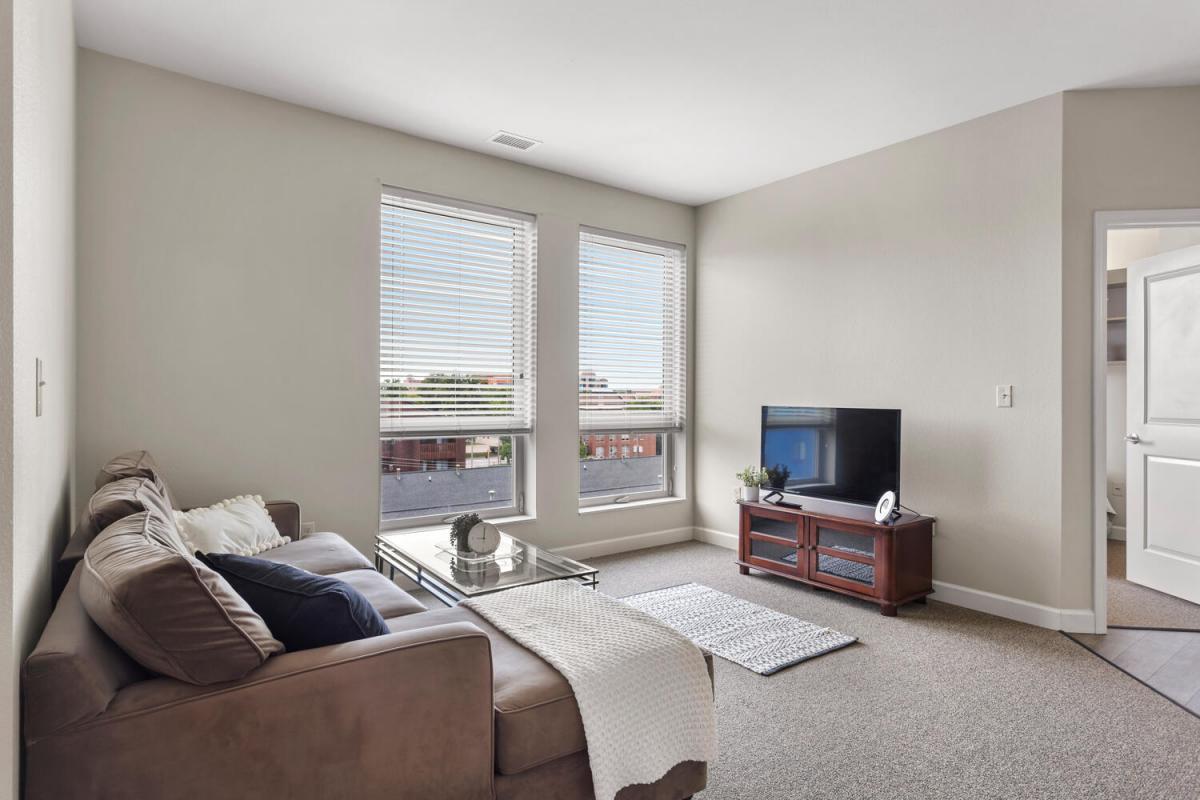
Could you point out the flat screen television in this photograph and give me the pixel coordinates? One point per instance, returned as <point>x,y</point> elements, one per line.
<point>846,454</point>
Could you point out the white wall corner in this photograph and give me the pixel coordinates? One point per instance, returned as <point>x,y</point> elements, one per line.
<point>624,544</point>
<point>1071,620</point>
<point>719,538</point>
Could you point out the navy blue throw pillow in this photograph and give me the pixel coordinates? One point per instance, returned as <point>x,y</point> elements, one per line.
<point>302,610</point>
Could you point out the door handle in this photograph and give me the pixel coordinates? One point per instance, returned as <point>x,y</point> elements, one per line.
<point>1133,438</point>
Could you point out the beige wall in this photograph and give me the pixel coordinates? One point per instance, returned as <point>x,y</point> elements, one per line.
<point>38,275</point>
<point>228,317</point>
<point>1122,150</point>
<point>915,277</point>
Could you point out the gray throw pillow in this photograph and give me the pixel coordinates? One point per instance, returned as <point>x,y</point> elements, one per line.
<point>119,499</point>
<point>166,610</point>
<point>134,464</point>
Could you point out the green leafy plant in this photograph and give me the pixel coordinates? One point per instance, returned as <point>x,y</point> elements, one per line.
<point>752,477</point>
<point>777,476</point>
<point>460,527</point>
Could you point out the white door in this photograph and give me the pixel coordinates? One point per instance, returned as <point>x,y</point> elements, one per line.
<point>1163,424</point>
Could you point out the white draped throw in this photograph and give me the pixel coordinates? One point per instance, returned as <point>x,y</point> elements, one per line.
<point>643,689</point>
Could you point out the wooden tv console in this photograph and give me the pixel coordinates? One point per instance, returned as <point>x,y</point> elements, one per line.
<point>837,547</point>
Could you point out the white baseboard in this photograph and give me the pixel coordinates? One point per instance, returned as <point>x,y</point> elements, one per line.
<point>624,544</point>
<point>1072,620</point>
<point>719,538</point>
<point>1117,533</point>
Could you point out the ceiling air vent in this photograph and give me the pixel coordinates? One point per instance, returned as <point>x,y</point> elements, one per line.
<point>514,141</point>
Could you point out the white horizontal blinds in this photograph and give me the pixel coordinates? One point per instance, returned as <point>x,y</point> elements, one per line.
<point>456,322</point>
<point>632,334</point>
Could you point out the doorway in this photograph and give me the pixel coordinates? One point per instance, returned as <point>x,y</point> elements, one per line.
<point>1144,625</point>
<point>1135,596</point>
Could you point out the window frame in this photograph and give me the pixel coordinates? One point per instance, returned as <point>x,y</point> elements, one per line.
<point>521,441</point>
<point>515,509</point>
<point>624,498</point>
<point>673,439</point>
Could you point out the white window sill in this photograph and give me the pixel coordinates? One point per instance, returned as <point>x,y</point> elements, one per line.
<point>499,521</point>
<point>657,501</point>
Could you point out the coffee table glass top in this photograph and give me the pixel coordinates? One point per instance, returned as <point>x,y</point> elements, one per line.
<point>429,559</point>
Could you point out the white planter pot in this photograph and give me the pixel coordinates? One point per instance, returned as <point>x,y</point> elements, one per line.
<point>749,494</point>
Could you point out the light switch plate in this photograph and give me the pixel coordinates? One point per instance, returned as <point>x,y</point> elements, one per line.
<point>1004,395</point>
<point>308,528</point>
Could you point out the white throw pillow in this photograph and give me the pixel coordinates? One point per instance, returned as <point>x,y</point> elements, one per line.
<point>241,526</point>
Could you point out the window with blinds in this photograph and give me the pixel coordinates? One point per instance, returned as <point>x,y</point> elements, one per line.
<point>632,334</point>
<point>456,322</point>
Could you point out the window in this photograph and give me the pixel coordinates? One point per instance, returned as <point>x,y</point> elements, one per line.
<point>632,365</point>
<point>456,357</point>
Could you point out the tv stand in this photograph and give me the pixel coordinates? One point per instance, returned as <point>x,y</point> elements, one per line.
<point>840,548</point>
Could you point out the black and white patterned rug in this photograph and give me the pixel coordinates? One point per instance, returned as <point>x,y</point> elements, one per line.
<point>745,633</point>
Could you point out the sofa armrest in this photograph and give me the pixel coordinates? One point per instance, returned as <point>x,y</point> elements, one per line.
<point>403,715</point>
<point>286,516</point>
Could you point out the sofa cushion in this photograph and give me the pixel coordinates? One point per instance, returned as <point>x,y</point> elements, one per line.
<point>166,610</point>
<point>134,464</point>
<point>303,610</point>
<point>537,719</point>
<point>322,553</point>
<point>388,598</point>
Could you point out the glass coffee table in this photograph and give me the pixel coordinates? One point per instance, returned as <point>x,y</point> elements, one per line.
<point>428,559</point>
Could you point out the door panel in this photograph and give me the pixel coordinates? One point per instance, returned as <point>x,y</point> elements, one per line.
<point>775,540</point>
<point>779,528</point>
<point>1173,347</point>
<point>1173,507</point>
<point>773,551</point>
<point>843,556</point>
<point>1163,424</point>
<point>849,541</point>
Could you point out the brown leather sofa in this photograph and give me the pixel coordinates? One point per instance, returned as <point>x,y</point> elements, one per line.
<point>445,706</point>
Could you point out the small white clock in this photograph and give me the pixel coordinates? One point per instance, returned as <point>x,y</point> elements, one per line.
<point>484,538</point>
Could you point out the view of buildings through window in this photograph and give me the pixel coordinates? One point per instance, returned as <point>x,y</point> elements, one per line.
<point>451,474</point>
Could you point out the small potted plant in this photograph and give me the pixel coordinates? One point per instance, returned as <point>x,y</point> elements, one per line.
<point>460,528</point>
<point>752,478</point>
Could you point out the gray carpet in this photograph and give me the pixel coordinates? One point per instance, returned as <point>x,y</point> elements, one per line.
<point>1139,607</point>
<point>939,702</point>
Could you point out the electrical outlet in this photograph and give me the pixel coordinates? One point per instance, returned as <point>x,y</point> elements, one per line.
<point>308,528</point>
<point>1004,395</point>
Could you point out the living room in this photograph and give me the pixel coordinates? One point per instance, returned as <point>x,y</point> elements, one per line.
<point>690,221</point>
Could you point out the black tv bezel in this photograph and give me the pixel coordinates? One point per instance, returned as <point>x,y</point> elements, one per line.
<point>762,435</point>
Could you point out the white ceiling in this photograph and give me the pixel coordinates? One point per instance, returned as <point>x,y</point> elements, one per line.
<point>682,99</point>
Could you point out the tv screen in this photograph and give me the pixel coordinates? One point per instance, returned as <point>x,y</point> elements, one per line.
<point>848,454</point>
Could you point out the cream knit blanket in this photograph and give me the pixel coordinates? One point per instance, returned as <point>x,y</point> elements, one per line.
<point>643,689</point>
